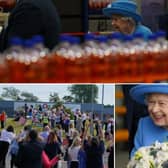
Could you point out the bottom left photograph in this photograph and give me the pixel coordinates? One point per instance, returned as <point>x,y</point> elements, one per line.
<point>57,125</point>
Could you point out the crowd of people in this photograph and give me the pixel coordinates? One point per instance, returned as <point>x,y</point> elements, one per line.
<point>83,142</point>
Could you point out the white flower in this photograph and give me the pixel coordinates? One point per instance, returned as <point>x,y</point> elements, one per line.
<point>155,156</point>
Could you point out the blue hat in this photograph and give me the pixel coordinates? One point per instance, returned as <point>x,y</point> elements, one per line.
<point>139,92</point>
<point>123,7</point>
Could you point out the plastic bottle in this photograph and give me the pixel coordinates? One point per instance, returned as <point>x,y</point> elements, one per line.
<point>90,49</point>
<point>39,58</point>
<point>139,44</point>
<point>14,57</point>
<point>161,58</point>
<point>4,70</point>
<point>57,60</point>
<point>115,46</point>
<point>127,58</point>
<point>39,45</point>
<point>74,62</point>
<point>100,64</point>
<point>150,58</point>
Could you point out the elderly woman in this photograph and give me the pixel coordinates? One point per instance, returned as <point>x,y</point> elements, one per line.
<point>125,17</point>
<point>155,126</point>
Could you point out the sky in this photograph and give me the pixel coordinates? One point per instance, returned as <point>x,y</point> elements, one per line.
<point>42,91</point>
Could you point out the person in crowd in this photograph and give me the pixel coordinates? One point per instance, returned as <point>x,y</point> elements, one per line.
<point>45,120</point>
<point>26,107</point>
<point>3,119</point>
<point>52,147</point>
<point>66,123</point>
<point>30,152</point>
<point>73,152</point>
<point>14,146</point>
<point>109,141</point>
<point>7,135</point>
<point>41,19</point>
<point>94,149</point>
<point>52,119</point>
<point>82,157</point>
<point>23,134</point>
<point>79,123</point>
<point>153,127</point>
<point>59,133</point>
<point>71,131</point>
<point>13,151</point>
<point>45,133</point>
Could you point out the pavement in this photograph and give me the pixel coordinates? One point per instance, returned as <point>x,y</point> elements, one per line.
<point>121,158</point>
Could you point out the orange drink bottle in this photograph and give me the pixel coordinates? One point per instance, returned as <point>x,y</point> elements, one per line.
<point>57,60</point>
<point>150,56</point>
<point>14,56</point>
<point>112,61</point>
<point>162,53</point>
<point>139,45</point>
<point>99,66</point>
<point>126,58</point>
<point>89,47</point>
<point>4,70</point>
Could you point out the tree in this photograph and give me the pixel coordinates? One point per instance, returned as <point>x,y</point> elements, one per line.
<point>68,99</point>
<point>11,92</point>
<point>54,97</point>
<point>1,98</point>
<point>84,93</point>
<point>29,97</point>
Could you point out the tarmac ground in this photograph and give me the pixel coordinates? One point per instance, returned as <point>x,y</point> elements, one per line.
<point>121,156</point>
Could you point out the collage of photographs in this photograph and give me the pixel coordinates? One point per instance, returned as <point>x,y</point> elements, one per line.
<point>83,84</point>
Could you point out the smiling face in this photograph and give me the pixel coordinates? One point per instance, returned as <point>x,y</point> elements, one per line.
<point>158,108</point>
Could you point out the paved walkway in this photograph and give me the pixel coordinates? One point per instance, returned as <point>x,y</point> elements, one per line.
<point>121,158</point>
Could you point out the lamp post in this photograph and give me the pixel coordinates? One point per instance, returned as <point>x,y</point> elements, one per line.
<point>102,107</point>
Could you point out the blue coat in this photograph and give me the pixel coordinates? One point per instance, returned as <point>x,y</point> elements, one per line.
<point>147,133</point>
<point>143,29</point>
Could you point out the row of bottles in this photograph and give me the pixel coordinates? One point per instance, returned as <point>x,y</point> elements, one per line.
<point>112,58</point>
<point>98,4</point>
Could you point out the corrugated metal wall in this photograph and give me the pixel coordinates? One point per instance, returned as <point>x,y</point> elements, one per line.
<point>8,106</point>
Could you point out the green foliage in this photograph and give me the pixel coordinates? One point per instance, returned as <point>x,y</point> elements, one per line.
<point>57,104</point>
<point>29,97</point>
<point>54,97</point>
<point>67,110</point>
<point>68,99</point>
<point>84,93</point>
<point>15,94</point>
<point>11,92</point>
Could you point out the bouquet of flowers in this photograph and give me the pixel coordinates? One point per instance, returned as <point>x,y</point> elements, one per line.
<point>155,156</point>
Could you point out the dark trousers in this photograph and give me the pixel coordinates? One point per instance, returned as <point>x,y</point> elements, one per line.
<point>74,164</point>
<point>3,151</point>
<point>13,160</point>
<point>2,124</point>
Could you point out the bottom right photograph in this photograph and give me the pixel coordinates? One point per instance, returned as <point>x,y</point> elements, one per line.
<point>141,130</point>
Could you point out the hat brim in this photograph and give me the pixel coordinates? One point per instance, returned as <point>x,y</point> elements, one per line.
<point>110,11</point>
<point>138,93</point>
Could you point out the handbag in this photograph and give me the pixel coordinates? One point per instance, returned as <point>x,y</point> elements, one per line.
<point>62,164</point>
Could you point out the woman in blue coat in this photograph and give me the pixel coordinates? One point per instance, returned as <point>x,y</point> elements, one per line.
<point>155,127</point>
